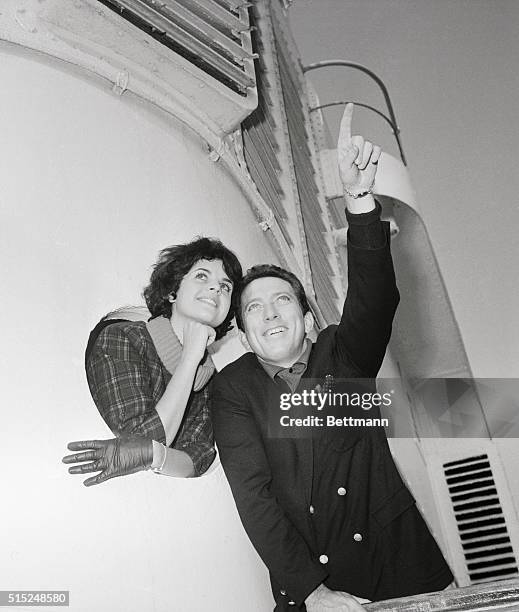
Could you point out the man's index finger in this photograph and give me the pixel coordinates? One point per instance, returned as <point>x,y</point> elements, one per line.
<point>345,130</point>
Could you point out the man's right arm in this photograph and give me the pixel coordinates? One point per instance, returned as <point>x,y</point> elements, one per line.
<point>372,297</point>
<point>279,544</point>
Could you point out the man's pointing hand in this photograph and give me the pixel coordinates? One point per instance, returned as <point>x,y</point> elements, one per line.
<point>358,158</point>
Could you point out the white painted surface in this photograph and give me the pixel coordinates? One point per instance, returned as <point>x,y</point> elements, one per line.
<point>91,187</point>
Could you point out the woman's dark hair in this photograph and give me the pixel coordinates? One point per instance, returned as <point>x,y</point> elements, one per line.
<point>262,271</point>
<point>175,262</point>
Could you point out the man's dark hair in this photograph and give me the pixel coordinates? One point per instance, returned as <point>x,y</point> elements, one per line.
<point>268,270</point>
<point>175,262</point>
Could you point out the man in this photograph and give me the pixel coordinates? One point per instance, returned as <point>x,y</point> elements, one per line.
<point>330,517</point>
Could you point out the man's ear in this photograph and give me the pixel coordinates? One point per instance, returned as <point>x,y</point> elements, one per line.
<point>309,322</point>
<point>244,341</point>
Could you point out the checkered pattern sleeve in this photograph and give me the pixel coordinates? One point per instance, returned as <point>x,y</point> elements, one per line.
<point>196,434</point>
<point>121,379</point>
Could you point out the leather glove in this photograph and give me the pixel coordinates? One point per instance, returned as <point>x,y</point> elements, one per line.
<point>114,457</point>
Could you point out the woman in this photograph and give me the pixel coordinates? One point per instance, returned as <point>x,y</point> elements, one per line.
<point>149,380</point>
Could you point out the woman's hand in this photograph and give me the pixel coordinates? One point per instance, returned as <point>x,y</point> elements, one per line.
<point>196,338</point>
<point>111,458</point>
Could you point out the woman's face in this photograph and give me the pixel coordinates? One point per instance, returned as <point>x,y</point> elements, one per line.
<point>204,293</point>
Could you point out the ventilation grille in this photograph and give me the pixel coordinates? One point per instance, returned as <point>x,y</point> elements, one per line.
<point>318,251</point>
<point>481,524</point>
<point>260,145</point>
<point>214,35</point>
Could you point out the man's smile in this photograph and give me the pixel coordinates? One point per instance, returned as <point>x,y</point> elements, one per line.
<point>274,331</point>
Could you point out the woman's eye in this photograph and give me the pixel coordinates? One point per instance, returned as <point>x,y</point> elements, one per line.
<point>253,306</point>
<point>201,275</point>
<point>226,288</point>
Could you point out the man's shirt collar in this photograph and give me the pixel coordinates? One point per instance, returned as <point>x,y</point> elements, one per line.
<point>292,374</point>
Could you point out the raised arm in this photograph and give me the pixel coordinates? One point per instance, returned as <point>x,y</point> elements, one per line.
<point>123,375</point>
<point>120,377</point>
<point>372,297</point>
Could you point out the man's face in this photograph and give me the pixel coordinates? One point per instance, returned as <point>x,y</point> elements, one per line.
<point>274,324</point>
<point>204,293</point>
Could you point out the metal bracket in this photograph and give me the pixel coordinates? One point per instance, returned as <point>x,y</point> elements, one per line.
<point>218,151</point>
<point>121,82</point>
<point>266,224</point>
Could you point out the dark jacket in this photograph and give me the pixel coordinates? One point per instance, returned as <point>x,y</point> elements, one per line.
<point>331,509</point>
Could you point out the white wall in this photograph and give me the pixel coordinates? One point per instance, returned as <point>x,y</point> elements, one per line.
<point>92,185</point>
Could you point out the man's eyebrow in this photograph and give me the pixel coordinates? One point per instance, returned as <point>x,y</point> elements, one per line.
<point>253,299</point>
<point>274,295</point>
<point>286,292</point>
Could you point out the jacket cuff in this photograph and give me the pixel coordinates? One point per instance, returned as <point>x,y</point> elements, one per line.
<point>366,230</point>
<point>307,583</point>
<point>364,218</point>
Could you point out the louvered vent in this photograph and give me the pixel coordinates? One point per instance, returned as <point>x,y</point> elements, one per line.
<point>214,35</point>
<point>318,250</point>
<point>260,145</point>
<point>481,524</point>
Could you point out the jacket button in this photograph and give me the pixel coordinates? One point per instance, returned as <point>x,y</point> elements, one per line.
<point>291,603</point>
<point>357,537</point>
<point>341,491</point>
<point>323,559</point>
<point>311,509</point>
<point>283,592</point>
